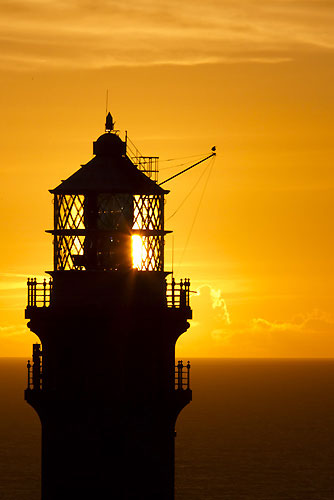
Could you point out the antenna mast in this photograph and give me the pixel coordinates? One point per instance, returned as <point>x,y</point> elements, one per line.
<point>173,256</point>
<point>107,96</point>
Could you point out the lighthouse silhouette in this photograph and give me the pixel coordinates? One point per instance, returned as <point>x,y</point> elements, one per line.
<point>103,379</point>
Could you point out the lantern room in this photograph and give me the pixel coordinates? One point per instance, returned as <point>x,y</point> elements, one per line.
<point>109,215</point>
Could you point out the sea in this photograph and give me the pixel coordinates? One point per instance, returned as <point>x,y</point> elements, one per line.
<point>255,430</point>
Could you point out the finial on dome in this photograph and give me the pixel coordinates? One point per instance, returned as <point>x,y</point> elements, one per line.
<point>109,123</point>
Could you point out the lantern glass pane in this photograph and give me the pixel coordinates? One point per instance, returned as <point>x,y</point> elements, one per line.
<point>70,211</point>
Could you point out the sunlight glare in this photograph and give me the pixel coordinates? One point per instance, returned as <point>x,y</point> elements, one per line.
<point>137,251</point>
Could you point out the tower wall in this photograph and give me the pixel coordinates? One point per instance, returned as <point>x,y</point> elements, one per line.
<point>108,403</point>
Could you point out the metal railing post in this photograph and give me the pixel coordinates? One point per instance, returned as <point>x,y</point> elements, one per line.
<point>182,294</point>
<point>34,302</point>
<point>29,376</point>
<point>173,292</point>
<point>188,375</point>
<point>36,368</point>
<point>44,292</point>
<point>180,374</point>
<point>28,286</point>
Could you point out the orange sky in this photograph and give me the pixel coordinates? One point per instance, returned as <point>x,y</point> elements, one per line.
<point>254,78</point>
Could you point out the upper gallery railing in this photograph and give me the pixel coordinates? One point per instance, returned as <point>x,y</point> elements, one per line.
<point>39,293</point>
<point>177,294</point>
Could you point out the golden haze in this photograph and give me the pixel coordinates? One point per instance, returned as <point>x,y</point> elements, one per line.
<point>253,78</point>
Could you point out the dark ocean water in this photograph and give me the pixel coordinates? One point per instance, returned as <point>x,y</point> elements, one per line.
<point>256,430</point>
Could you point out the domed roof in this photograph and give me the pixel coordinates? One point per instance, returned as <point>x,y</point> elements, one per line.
<point>109,145</point>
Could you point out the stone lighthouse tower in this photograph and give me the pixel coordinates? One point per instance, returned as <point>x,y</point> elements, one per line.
<point>103,379</point>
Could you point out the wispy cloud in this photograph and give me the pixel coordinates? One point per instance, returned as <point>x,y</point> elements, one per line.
<point>305,335</point>
<point>216,333</point>
<point>86,34</point>
<point>312,323</point>
<point>12,330</point>
<point>15,281</point>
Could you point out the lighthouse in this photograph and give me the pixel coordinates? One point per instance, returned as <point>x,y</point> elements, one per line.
<point>103,377</point>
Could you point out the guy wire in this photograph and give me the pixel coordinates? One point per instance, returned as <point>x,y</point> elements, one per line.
<point>190,192</point>
<point>197,210</point>
<point>181,157</point>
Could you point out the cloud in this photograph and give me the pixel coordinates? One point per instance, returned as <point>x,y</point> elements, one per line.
<point>85,34</point>
<point>12,330</point>
<point>15,281</point>
<point>13,286</point>
<point>219,303</point>
<point>316,321</point>
<point>312,324</point>
<point>210,299</point>
<point>216,333</point>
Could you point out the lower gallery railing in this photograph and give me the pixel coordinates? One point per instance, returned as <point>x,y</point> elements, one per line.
<point>182,376</point>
